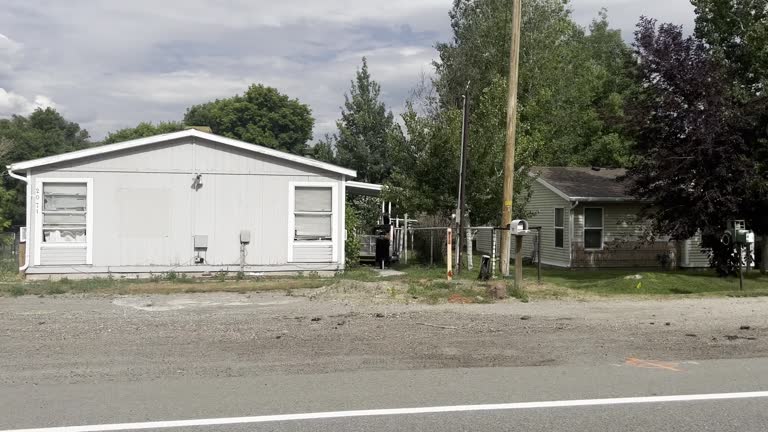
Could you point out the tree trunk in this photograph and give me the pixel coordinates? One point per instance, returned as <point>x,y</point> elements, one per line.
<point>764,249</point>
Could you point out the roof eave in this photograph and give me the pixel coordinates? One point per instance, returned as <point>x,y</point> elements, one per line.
<point>95,151</point>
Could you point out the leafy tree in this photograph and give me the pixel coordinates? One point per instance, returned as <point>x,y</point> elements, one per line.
<point>367,130</point>
<point>323,150</point>
<point>694,139</point>
<point>737,30</point>
<point>262,115</point>
<point>143,129</point>
<point>573,88</point>
<point>572,85</point>
<point>43,133</point>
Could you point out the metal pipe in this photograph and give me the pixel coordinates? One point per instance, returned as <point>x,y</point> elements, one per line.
<point>29,203</point>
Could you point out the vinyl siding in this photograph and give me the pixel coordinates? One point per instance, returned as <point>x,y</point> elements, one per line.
<point>622,234</point>
<point>312,253</point>
<point>692,255</point>
<point>542,206</point>
<point>146,210</point>
<point>62,256</point>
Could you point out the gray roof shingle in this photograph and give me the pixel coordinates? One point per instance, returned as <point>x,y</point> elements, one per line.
<point>585,182</point>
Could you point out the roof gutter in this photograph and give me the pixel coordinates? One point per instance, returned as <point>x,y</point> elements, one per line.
<point>29,203</point>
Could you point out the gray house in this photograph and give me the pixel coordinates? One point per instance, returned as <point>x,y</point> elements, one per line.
<point>588,220</point>
<point>187,201</point>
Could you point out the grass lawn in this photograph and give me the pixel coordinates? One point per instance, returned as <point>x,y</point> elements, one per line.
<point>427,283</point>
<point>673,283</point>
<point>158,285</point>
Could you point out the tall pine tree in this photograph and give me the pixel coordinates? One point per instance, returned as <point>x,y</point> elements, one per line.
<point>367,130</point>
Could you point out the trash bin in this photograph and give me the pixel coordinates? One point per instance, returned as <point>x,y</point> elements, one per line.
<point>485,268</point>
<point>382,252</point>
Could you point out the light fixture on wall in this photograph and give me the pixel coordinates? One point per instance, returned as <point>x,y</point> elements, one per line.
<point>197,181</point>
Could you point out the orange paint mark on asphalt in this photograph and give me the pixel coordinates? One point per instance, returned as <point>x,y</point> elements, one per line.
<point>653,364</point>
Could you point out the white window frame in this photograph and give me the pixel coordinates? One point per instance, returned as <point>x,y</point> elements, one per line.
<point>562,227</point>
<point>38,202</point>
<point>334,241</point>
<point>585,228</point>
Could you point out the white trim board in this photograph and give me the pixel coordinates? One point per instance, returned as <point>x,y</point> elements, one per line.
<point>189,133</point>
<point>334,242</point>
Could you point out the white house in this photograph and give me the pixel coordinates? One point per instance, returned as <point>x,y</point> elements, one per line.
<point>187,201</point>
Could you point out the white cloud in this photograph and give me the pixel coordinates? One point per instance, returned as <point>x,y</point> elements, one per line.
<point>10,54</point>
<point>112,64</point>
<point>12,103</point>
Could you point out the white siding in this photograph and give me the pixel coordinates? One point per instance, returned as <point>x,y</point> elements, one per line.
<point>63,255</point>
<point>146,209</point>
<point>312,253</point>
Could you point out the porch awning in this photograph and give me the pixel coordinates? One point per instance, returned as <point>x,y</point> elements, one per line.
<point>361,188</point>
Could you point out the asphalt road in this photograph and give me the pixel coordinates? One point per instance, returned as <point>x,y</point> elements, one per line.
<point>55,405</point>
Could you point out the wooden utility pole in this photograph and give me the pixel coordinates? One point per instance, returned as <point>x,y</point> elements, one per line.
<point>509,152</point>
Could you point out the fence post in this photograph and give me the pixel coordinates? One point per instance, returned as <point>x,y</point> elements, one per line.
<point>431,247</point>
<point>448,260</point>
<point>493,253</point>
<point>405,240</point>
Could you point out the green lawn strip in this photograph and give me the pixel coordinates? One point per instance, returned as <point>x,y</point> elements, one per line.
<point>673,283</point>
<point>156,285</point>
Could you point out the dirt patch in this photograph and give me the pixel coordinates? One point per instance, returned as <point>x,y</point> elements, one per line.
<point>89,338</point>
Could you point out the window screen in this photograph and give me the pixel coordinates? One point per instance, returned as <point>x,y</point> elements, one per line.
<point>593,228</point>
<point>313,213</point>
<point>64,212</point>
<point>559,227</point>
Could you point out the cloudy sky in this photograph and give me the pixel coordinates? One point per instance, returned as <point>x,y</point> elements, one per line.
<point>108,64</point>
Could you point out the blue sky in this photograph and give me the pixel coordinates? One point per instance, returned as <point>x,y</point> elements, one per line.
<point>111,64</point>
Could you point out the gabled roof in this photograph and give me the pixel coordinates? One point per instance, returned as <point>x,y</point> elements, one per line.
<point>584,183</point>
<point>157,139</point>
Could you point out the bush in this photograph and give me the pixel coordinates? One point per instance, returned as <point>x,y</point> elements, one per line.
<point>352,244</point>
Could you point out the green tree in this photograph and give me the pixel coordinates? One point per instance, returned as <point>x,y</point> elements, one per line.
<point>43,133</point>
<point>694,140</point>
<point>367,130</point>
<point>143,129</point>
<point>737,33</point>
<point>324,150</point>
<point>262,115</point>
<point>572,85</point>
<point>737,30</point>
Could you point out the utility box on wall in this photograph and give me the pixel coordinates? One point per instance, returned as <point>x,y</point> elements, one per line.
<point>200,241</point>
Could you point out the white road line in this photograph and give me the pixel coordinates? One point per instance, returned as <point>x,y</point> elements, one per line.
<point>395,411</point>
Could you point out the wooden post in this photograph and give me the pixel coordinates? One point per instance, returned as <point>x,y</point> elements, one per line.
<point>449,260</point>
<point>538,255</point>
<point>518,261</point>
<point>509,151</point>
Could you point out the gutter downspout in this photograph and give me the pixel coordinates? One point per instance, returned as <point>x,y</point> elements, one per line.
<point>29,199</point>
<point>574,204</point>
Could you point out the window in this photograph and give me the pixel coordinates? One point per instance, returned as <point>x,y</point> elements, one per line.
<point>313,213</point>
<point>593,228</point>
<point>64,213</point>
<point>559,227</point>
